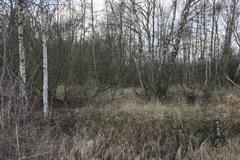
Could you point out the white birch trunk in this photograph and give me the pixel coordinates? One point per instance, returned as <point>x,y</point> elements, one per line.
<point>45,61</point>
<point>22,63</point>
<point>45,75</point>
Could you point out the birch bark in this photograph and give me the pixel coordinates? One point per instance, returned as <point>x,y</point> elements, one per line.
<point>45,60</point>
<point>22,62</point>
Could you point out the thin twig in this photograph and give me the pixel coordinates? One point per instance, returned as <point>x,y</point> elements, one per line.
<point>33,156</point>
<point>18,146</point>
<point>236,85</point>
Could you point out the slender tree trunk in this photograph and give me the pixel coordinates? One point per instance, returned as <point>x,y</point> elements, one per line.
<point>138,72</point>
<point>204,44</point>
<point>217,50</point>
<point>93,42</point>
<point>4,55</point>
<point>212,37</point>
<point>228,38</point>
<point>183,22</point>
<point>22,63</point>
<point>45,60</point>
<point>3,73</point>
<point>176,47</point>
<point>137,50</point>
<point>153,27</point>
<point>169,38</point>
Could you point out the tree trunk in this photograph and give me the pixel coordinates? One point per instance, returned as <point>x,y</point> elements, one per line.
<point>93,42</point>
<point>45,60</point>
<point>22,63</point>
<point>228,38</point>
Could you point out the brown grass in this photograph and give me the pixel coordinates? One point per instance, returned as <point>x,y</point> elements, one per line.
<point>127,128</point>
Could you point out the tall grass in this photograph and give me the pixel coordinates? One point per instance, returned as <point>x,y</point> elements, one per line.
<point>124,129</point>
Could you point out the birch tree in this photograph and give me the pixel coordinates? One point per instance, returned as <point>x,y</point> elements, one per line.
<point>45,59</point>
<point>182,24</point>
<point>228,37</point>
<point>22,61</point>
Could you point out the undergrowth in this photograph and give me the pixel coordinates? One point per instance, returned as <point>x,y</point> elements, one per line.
<point>123,131</point>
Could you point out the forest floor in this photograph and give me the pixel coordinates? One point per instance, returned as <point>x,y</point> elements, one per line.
<point>130,127</point>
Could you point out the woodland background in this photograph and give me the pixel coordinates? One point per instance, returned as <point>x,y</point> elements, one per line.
<point>137,79</point>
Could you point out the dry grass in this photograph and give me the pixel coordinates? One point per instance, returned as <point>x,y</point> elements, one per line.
<point>127,128</point>
<point>229,151</point>
<point>152,130</point>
